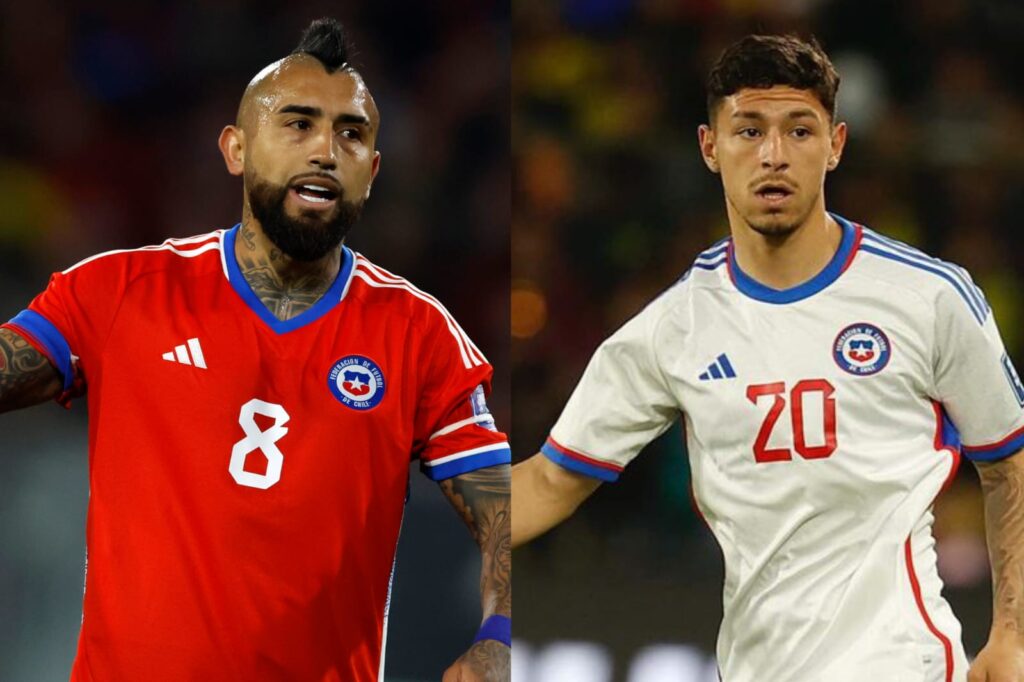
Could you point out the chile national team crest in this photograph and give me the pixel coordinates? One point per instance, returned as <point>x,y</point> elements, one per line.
<point>357,382</point>
<point>862,349</point>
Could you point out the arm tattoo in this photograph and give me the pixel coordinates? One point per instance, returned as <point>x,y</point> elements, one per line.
<point>284,299</point>
<point>489,660</point>
<point>483,500</point>
<point>26,376</point>
<point>1003,485</point>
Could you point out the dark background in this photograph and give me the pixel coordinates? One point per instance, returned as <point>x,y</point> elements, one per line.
<point>109,117</point>
<point>611,202</point>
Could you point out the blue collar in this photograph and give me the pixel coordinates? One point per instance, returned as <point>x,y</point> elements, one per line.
<point>326,304</point>
<point>840,261</point>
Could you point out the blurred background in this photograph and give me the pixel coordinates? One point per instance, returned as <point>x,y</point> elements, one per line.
<point>109,118</point>
<point>611,203</point>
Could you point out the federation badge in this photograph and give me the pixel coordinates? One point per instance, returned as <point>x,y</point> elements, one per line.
<point>862,349</point>
<point>357,382</point>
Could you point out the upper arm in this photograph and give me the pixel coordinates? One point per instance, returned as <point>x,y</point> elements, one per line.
<point>546,479</point>
<point>995,474</point>
<point>621,403</point>
<point>26,375</point>
<point>454,431</point>
<point>975,380</point>
<point>546,494</point>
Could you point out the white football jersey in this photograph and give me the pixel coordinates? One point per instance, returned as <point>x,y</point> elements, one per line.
<point>821,421</point>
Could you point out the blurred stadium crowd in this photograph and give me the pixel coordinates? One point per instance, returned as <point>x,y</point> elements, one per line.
<point>611,202</point>
<point>110,115</point>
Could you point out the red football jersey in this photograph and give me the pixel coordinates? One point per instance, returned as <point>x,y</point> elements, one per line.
<point>248,475</point>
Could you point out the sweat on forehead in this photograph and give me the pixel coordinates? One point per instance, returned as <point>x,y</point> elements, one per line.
<point>265,90</point>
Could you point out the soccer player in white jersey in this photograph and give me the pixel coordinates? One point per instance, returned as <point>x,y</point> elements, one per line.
<point>828,379</point>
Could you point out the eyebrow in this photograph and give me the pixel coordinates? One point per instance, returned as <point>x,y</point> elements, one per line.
<point>316,112</point>
<point>758,116</point>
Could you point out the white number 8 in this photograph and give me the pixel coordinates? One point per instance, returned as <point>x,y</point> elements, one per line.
<point>264,441</point>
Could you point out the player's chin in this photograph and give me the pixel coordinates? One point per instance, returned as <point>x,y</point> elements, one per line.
<point>313,217</point>
<point>773,223</point>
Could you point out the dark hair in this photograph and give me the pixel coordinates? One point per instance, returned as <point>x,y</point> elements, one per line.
<point>324,39</point>
<point>764,61</point>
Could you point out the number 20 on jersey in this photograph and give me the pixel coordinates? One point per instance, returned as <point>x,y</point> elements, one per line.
<point>778,399</point>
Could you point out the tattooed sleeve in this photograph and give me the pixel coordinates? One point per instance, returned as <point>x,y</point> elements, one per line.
<point>482,498</point>
<point>26,376</point>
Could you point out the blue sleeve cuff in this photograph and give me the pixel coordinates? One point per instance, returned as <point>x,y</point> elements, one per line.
<point>996,451</point>
<point>466,461</point>
<point>52,340</point>
<point>579,463</point>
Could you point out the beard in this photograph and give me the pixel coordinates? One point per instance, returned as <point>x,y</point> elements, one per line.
<point>776,226</point>
<point>773,225</point>
<point>307,237</point>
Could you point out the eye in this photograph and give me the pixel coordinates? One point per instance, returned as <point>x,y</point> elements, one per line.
<point>352,133</point>
<point>300,124</point>
<point>749,133</point>
<point>801,132</point>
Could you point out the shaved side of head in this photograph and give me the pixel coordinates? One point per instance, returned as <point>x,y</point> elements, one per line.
<point>323,45</point>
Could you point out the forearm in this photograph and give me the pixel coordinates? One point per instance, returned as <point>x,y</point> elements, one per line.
<point>495,539</point>
<point>483,499</point>
<point>545,495</point>
<point>1003,486</point>
<point>26,376</point>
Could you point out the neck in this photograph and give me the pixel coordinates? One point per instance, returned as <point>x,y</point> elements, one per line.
<point>287,287</point>
<point>785,261</point>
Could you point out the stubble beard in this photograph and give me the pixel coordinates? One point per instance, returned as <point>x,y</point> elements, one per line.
<point>775,226</point>
<point>307,237</point>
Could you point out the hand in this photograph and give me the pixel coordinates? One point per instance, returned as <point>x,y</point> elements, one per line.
<point>486,661</point>
<point>1002,660</point>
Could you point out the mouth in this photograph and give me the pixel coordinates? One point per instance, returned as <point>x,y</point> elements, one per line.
<point>773,194</point>
<point>317,193</point>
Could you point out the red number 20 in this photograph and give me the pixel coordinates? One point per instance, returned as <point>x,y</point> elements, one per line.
<point>762,453</point>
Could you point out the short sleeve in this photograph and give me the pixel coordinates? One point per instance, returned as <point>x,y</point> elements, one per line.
<point>975,379</point>
<point>621,403</point>
<point>455,431</point>
<point>70,320</point>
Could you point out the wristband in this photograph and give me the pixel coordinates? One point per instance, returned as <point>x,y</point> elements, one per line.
<point>498,628</point>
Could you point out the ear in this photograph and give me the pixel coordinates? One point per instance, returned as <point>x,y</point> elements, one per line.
<point>838,143</point>
<point>373,173</point>
<point>232,147</point>
<point>708,150</point>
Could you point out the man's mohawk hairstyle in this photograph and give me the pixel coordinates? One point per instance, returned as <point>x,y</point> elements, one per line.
<point>325,41</point>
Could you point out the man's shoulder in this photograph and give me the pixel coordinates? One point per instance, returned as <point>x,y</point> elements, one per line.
<point>707,272</point>
<point>203,251</point>
<point>893,263</point>
<point>377,286</point>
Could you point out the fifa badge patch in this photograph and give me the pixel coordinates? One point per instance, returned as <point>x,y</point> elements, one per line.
<point>862,349</point>
<point>357,382</point>
<point>478,401</point>
<point>1014,379</point>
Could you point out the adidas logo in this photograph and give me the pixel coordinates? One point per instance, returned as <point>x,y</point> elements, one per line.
<point>721,368</point>
<point>191,355</point>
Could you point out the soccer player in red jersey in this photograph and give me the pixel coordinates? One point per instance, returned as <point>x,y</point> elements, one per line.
<point>255,397</point>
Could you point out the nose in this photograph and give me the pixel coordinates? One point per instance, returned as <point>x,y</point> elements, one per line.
<point>772,151</point>
<point>324,155</point>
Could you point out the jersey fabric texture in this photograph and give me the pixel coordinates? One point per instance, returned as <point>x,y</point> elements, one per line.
<point>821,422</point>
<point>248,475</point>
